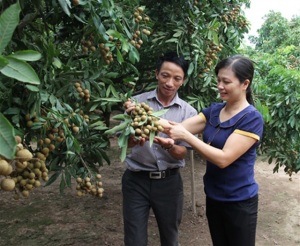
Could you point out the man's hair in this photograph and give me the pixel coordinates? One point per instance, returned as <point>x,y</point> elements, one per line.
<point>172,56</point>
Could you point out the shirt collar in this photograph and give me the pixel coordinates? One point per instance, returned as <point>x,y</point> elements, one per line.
<point>176,100</point>
<point>215,118</point>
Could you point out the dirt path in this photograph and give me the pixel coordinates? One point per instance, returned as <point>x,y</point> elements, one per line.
<point>48,218</point>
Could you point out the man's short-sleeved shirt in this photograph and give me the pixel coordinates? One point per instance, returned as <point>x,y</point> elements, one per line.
<point>155,158</point>
<point>235,182</point>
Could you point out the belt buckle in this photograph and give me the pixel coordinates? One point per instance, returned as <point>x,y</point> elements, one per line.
<point>157,175</point>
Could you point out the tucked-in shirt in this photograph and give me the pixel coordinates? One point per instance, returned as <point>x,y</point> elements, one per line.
<point>236,182</point>
<point>155,158</point>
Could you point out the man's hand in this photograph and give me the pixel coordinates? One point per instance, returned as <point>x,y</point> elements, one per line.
<point>133,141</point>
<point>166,143</point>
<point>129,106</point>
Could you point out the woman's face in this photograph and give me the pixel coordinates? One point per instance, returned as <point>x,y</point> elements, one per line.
<point>229,86</point>
<point>170,78</point>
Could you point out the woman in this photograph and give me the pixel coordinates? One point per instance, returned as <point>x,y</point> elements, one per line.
<point>232,130</point>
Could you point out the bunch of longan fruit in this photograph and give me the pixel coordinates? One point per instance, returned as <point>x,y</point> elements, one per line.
<point>88,186</point>
<point>83,93</point>
<point>143,122</point>
<point>24,172</point>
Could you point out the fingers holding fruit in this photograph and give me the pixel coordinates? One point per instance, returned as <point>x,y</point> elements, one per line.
<point>133,141</point>
<point>129,106</point>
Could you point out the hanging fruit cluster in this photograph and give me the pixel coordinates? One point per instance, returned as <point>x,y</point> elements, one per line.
<point>139,15</point>
<point>24,173</point>
<point>89,186</point>
<point>232,15</point>
<point>83,93</point>
<point>211,56</point>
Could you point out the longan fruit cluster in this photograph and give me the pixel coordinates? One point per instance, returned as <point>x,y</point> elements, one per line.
<point>28,175</point>
<point>136,41</point>
<point>242,22</point>
<point>211,53</point>
<point>83,93</point>
<point>106,52</point>
<point>87,186</point>
<point>24,172</point>
<point>140,16</point>
<point>210,56</point>
<point>88,45</point>
<point>30,119</point>
<point>143,122</point>
<point>48,144</point>
<point>232,15</point>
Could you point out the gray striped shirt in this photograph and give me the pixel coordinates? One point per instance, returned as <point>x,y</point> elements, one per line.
<point>154,158</point>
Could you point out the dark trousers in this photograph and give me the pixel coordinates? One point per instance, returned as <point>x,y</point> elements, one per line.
<point>232,223</point>
<point>164,196</point>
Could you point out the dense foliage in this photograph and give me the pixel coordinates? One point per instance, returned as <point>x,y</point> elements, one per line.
<point>66,65</point>
<point>92,55</point>
<point>277,53</point>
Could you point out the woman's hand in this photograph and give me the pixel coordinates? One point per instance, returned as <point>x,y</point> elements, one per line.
<point>176,131</point>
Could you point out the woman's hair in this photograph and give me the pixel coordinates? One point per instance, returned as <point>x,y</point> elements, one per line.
<point>243,69</point>
<point>175,58</point>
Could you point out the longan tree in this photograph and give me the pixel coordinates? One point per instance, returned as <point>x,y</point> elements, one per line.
<point>65,65</point>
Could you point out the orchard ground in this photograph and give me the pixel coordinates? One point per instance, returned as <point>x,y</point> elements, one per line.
<point>50,218</point>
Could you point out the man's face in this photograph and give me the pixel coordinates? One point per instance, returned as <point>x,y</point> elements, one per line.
<point>170,78</point>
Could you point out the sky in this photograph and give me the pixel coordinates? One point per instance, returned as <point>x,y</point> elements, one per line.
<point>259,8</point>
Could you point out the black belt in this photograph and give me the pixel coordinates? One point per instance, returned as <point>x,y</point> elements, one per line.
<point>158,174</point>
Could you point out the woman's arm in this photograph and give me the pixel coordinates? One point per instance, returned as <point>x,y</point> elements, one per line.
<point>194,125</point>
<point>235,146</point>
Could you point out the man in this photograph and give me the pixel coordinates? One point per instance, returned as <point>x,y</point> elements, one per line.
<point>152,178</point>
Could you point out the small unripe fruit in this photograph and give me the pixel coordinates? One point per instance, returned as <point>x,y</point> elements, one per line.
<point>18,139</point>
<point>37,183</point>
<point>47,141</point>
<point>24,155</point>
<point>75,129</point>
<point>29,123</point>
<point>8,184</point>
<point>25,193</point>
<point>3,167</point>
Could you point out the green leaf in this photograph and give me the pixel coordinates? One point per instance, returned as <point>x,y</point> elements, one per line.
<point>119,57</point>
<point>121,117</point>
<point>7,138</point>
<point>3,61</point>
<point>8,22</point>
<point>122,139</point>
<point>20,70</point>
<point>27,55</point>
<point>62,184</point>
<point>117,128</point>
<point>52,178</point>
<point>66,5</point>
<point>151,137</point>
<point>124,151</point>
<point>32,88</point>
